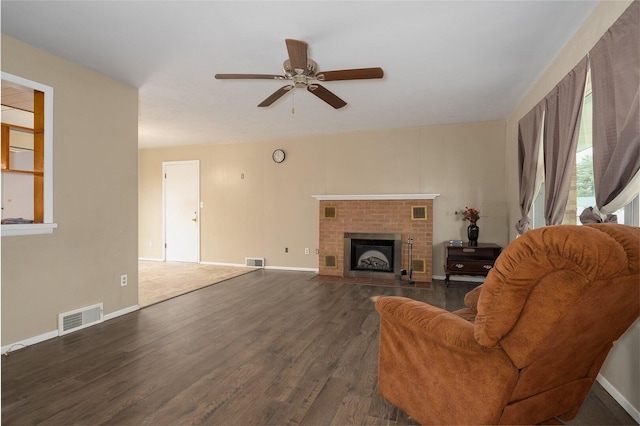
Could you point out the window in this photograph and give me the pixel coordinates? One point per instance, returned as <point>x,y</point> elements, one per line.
<point>27,157</point>
<point>538,220</point>
<point>582,193</point>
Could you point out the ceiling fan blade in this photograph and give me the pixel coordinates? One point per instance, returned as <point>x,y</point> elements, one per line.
<point>250,76</point>
<point>326,95</point>
<point>297,54</point>
<point>352,74</point>
<point>276,95</point>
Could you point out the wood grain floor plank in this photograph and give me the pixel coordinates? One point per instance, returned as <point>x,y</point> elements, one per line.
<point>269,347</point>
<point>326,405</point>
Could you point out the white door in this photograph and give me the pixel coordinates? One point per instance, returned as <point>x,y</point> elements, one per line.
<point>182,211</point>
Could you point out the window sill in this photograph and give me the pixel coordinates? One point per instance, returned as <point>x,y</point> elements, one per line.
<point>28,229</point>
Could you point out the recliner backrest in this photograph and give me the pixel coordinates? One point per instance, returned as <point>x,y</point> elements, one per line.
<point>559,290</point>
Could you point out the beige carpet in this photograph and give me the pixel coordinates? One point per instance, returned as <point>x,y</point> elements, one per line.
<point>158,281</point>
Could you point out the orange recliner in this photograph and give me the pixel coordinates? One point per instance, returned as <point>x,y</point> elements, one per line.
<point>532,339</point>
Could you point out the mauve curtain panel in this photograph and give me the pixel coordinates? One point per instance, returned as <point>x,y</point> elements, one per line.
<point>562,125</point>
<point>615,78</point>
<point>529,135</point>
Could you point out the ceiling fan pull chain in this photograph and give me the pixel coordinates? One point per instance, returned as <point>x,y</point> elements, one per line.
<point>293,102</point>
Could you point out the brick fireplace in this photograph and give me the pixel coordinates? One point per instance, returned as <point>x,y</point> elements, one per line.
<point>396,216</point>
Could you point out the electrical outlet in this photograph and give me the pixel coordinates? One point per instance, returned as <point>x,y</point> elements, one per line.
<point>123,280</point>
<point>286,249</point>
<point>306,251</point>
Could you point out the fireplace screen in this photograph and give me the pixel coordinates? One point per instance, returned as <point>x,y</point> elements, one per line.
<point>372,255</point>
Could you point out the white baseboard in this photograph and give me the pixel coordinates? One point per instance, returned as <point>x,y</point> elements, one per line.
<point>124,311</point>
<point>52,334</point>
<point>620,399</point>
<point>150,259</point>
<point>291,268</point>
<point>240,265</point>
<point>279,268</point>
<point>28,342</point>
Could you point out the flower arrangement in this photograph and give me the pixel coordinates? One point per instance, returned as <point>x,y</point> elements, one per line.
<point>471,214</point>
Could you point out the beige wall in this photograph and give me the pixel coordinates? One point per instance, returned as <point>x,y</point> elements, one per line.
<point>272,208</point>
<point>95,201</point>
<point>622,369</point>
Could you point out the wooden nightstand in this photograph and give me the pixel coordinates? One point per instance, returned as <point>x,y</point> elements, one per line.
<point>466,260</point>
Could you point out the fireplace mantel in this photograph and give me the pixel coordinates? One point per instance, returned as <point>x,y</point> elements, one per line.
<point>375,197</point>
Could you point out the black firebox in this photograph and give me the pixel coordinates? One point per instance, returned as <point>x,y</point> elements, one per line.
<point>374,255</point>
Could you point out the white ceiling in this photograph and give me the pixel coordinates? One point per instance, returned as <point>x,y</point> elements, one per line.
<point>444,61</point>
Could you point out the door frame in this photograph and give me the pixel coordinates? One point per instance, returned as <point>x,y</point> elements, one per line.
<point>164,209</point>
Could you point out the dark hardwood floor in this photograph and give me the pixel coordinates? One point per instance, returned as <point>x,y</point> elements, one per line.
<point>269,347</point>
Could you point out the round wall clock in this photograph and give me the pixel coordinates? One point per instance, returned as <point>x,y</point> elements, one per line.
<point>278,156</point>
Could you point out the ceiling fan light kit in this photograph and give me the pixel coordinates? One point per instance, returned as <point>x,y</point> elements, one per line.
<point>302,73</point>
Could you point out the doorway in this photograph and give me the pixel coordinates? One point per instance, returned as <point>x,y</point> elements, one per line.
<point>181,211</point>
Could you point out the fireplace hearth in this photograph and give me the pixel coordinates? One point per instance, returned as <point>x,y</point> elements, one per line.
<point>372,255</point>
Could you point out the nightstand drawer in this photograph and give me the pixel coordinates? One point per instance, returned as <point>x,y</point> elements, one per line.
<point>469,266</point>
<point>471,253</point>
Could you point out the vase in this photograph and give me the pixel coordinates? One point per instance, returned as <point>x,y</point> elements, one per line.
<point>472,233</point>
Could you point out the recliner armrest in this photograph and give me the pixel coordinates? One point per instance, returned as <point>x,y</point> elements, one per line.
<point>471,298</point>
<point>430,365</point>
<point>434,323</point>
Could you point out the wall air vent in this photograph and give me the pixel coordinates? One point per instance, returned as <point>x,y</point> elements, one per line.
<point>330,212</point>
<point>254,262</point>
<point>418,265</point>
<point>79,318</point>
<point>419,213</point>
<point>330,261</point>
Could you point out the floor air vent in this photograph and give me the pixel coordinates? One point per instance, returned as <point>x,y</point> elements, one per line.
<point>256,262</point>
<point>79,318</point>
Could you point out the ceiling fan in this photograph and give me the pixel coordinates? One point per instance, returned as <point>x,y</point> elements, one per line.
<point>302,72</point>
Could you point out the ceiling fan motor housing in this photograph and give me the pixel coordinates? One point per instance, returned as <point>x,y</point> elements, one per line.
<point>312,68</point>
